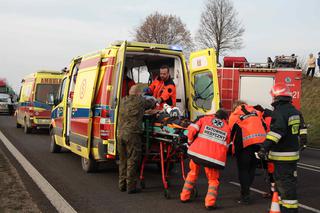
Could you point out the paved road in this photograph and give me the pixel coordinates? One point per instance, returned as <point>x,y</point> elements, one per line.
<point>98,192</point>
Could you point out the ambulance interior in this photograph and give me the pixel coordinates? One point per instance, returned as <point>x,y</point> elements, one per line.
<point>143,68</point>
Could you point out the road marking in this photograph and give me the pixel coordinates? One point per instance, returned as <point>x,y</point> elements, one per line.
<point>315,170</point>
<point>262,192</point>
<point>316,149</point>
<point>54,197</point>
<point>308,165</point>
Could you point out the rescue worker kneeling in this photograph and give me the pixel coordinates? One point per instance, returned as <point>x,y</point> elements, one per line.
<point>208,138</point>
<point>131,113</point>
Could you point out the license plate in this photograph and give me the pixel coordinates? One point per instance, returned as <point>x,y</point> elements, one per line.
<point>111,147</point>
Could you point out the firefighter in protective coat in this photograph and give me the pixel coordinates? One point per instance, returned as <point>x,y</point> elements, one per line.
<point>208,138</point>
<point>287,135</point>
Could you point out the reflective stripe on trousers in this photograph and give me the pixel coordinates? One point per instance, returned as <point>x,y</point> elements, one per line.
<point>283,156</point>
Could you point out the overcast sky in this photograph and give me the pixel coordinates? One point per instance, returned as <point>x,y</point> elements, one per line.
<point>47,34</point>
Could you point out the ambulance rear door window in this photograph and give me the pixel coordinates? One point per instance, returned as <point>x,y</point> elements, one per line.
<point>203,86</point>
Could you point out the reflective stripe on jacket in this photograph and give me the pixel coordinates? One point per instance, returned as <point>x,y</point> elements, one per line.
<point>287,126</point>
<point>249,121</point>
<point>209,138</point>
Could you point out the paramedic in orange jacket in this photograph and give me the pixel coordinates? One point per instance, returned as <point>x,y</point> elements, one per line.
<point>163,88</point>
<point>208,138</point>
<point>247,132</point>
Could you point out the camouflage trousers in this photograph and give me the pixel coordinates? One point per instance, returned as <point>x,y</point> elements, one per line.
<point>129,155</point>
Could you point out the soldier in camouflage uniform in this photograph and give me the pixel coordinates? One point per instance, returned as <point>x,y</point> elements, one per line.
<point>131,113</point>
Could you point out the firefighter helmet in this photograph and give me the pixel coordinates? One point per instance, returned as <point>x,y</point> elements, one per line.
<point>280,89</point>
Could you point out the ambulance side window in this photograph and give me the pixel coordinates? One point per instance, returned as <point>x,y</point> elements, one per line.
<point>203,87</point>
<point>61,90</point>
<point>139,74</point>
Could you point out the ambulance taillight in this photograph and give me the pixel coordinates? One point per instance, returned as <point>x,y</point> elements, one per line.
<point>105,124</point>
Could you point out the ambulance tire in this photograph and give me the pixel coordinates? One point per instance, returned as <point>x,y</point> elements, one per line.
<point>54,147</point>
<point>26,129</point>
<point>89,165</point>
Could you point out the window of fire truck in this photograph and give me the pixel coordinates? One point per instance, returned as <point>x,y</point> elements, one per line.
<point>143,68</point>
<point>203,88</point>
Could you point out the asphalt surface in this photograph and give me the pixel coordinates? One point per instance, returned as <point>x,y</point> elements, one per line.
<point>98,192</point>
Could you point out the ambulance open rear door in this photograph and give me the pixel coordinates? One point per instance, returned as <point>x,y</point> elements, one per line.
<point>81,116</point>
<point>204,88</point>
<point>116,93</point>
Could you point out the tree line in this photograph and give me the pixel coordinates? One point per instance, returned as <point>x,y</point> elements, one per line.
<point>219,28</point>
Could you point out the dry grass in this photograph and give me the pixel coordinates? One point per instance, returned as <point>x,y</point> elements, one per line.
<point>310,107</point>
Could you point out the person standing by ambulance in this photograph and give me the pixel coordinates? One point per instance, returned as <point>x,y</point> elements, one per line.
<point>131,111</point>
<point>163,88</point>
<point>208,137</point>
<point>247,132</point>
<point>288,134</point>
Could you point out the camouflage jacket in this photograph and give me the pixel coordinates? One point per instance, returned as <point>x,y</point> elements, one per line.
<point>131,113</point>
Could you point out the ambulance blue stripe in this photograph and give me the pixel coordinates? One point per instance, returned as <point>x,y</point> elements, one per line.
<point>81,113</point>
<point>35,104</point>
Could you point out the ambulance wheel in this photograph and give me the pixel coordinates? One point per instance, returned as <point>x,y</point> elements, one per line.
<point>167,194</point>
<point>142,184</point>
<point>54,147</point>
<point>26,129</point>
<point>89,165</point>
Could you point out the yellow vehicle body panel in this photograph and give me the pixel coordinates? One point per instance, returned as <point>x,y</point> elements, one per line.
<point>93,78</point>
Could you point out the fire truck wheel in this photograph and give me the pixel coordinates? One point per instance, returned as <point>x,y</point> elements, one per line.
<point>54,148</point>
<point>26,129</point>
<point>89,165</point>
<point>167,194</point>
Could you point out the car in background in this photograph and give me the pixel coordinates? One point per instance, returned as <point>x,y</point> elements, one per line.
<point>6,104</point>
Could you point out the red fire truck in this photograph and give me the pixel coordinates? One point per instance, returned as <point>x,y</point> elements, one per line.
<point>251,82</point>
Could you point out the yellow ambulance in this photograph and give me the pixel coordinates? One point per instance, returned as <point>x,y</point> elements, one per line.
<point>85,117</point>
<point>36,100</point>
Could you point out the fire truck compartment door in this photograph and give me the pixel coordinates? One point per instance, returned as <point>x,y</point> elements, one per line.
<point>256,90</point>
<point>204,88</point>
<point>81,116</point>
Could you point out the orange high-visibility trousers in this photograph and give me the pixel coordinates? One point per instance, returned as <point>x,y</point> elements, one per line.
<point>213,182</point>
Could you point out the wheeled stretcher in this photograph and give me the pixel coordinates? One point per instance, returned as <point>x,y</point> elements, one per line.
<point>164,144</point>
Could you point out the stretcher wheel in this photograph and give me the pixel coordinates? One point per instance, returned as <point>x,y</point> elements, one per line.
<point>142,184</point>
<point>194,193</point>
<point>167,194</point>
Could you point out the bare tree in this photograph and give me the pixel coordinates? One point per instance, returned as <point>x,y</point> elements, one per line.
<point>163,29</point>
<point>219,27</point>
